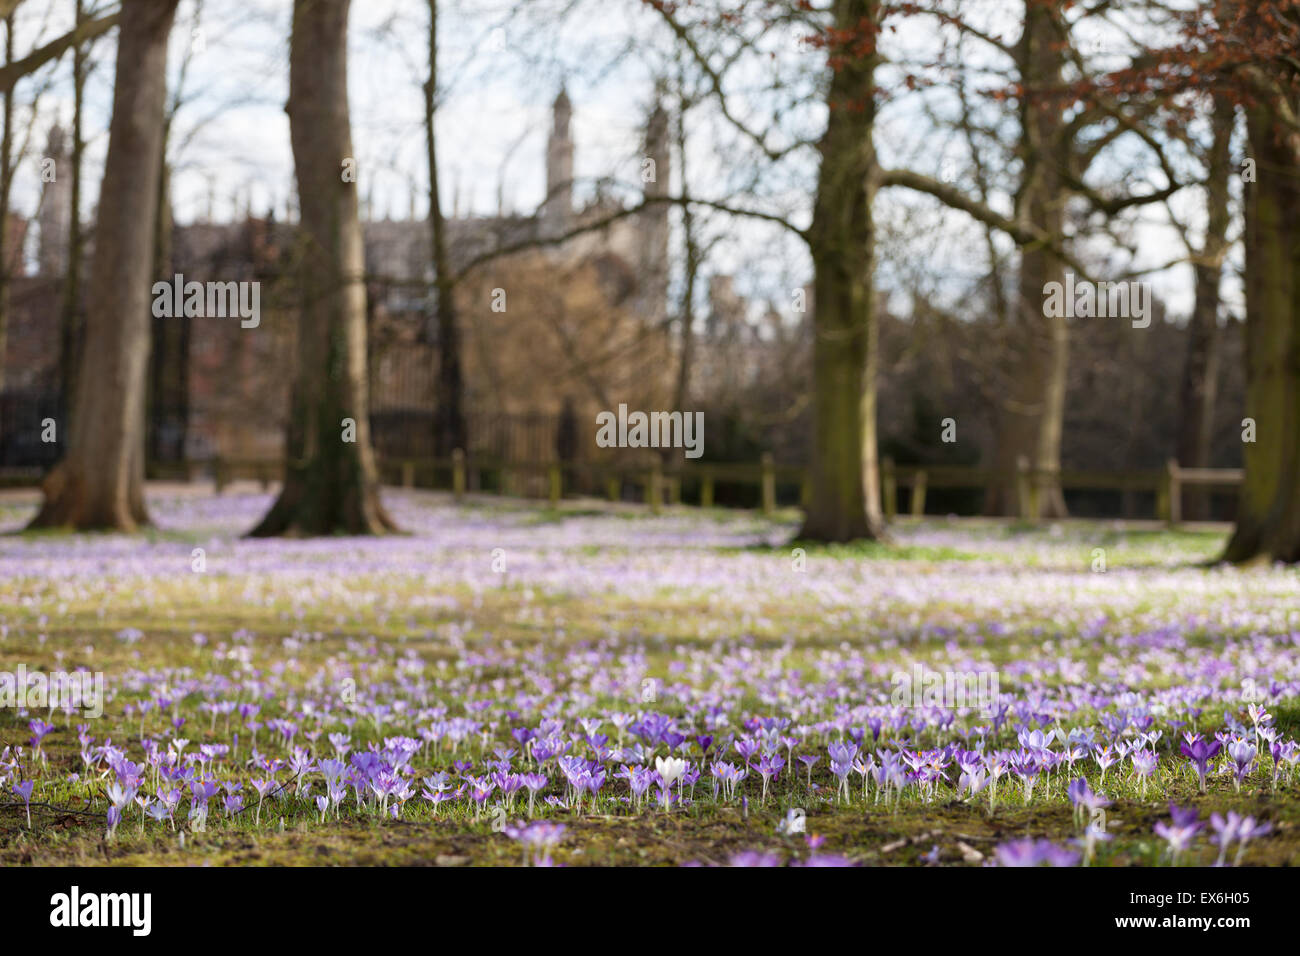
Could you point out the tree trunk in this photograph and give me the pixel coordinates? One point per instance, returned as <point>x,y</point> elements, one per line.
<point>845,500</point>
<point>1031,419</point>
<point>1201,368</point>
<point>1268,515</point>
<point>69,326</point>
<point>691,270</point>
<point>100,481</point>
<point>331,481</point>
<point>449,422</point>
<point>163,360</point>
<point>6,183</point>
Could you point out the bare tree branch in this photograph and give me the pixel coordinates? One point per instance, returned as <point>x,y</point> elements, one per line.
<point>954,198</point>
<point>13,72</point>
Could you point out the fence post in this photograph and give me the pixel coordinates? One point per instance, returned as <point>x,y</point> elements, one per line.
<point>458,473</point>
<point>1173,495</point>
<point>219,475</point>
<point>613,487</point>
<point>556,484</point>
<point>653,487</point>
<point>918,493</point>
<point>1023,494</point>
<point>408,474</point>
<point>768,479</point>
<point>889,488</point>
<point>675,489</point>
<point>706,487</point>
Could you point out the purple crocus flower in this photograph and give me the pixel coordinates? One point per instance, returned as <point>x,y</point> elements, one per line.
<point>1144,765</point>
<point>539,837</point>
<point>263,787</point>
<point>1238,829</point>
<point>827,860</point>
<point>809,761</point>
<point>1085,801</point>
<point>769,766</point>
<point>1200,752</point>
<point>1180,831</point>
<point>1243,754</point>
<point>40,729</point>
<point>24,790</point>
<point>755,858</point>
<point>842,753</point>
<point>1034,853</point>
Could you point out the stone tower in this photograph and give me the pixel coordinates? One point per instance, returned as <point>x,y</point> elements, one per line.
<point>557,209</point>
<point>56,205</point>
<point>656,170</point>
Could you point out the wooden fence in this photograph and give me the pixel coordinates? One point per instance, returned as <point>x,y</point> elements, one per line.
<point>656,487</point>
<point>1167,484</point>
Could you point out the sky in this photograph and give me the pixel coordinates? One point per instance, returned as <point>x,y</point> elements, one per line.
<point>501,64</point>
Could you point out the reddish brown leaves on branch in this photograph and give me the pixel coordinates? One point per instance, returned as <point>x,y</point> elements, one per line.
<point>1220,46</point>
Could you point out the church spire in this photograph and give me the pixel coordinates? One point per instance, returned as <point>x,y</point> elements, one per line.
<point>55,217</point>
<point>557,210</point>
<point>653,221</point>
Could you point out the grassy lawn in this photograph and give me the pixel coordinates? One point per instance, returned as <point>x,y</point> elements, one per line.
<point>505,664</point>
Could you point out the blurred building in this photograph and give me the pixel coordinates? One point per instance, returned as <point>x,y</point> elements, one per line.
<point>580,324</point>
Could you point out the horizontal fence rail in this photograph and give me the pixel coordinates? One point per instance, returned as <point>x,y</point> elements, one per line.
<point>657,486</point>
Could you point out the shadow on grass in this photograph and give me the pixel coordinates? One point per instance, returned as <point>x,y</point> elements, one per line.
<point>149,533</point>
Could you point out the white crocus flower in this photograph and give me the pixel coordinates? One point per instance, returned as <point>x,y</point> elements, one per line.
<point>670,771</point>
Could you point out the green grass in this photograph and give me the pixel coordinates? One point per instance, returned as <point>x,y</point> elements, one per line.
<point>669,627</point>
